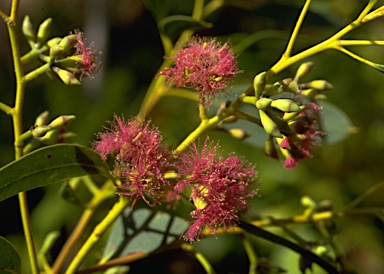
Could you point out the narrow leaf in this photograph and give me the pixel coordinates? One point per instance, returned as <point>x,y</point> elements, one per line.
<point>49,165</point>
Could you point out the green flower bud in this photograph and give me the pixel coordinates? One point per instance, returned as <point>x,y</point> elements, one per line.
<point>303,70</point>
<point>238,133</point>
<point>274,89</point>
<point>32,145</point>
<point>308,202</point>
<point>55,51</point>
<point>293,87</point>
<point>68,42</point>
<point>269,125</point>
<point>286,105</point>
<point>198,202</point>
<point>54,41</point>
<point>67,77</point>
<point>70,61</point>
<point>318,84</point>
<point>263,103</point>
<point>270,148</point>
<point>29,31</point>
<point>43,32</point>
<point>42,119</point>
<point>40,130</point>
<point>259,83</point>
<point>290,115</point>
<point>62,121</point>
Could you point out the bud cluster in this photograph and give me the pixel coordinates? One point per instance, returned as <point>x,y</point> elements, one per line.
<point>44,133</point>
<point>69,58</point>
<point>290,115</point>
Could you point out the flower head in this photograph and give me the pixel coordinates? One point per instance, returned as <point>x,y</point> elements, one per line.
<point>87,65</point>
<point>141,158</point>
<point>206,66</point>
<point>221,187</point>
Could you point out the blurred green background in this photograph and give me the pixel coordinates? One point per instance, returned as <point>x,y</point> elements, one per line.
<point>126,33</point>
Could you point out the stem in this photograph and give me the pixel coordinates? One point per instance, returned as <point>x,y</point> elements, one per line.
<point>36,73</point>
<point>296,30</point>
<point>17,115</point>
<point>104,193</point>
<point>98,231</point>
<point>200,257</point>
<point>158,88</point>
<point>7,109</point>
<point>356,57</point>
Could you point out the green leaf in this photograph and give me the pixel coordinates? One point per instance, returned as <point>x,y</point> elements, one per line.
<point>49,165</point>
<point>336,124</point>
<point>142,230</point>
<point>10,261</point>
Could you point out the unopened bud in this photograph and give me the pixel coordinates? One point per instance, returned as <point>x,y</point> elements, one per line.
<point>319,85</point>
<point>293,87</point>
<point>42,119</point>
<point>70,61</point>
<point>269,125</point>
<point>54,41</point>
<point>67,77</point>
<point>32,145</point>
<point>303,70</point>
<point>238,133</point>
<point>43,32</point>
<point>285,105</point>
<point>62,121</point>
<point>259,83</point>
<point>68,42</point>
<point>39,130</point>
<point>199,202</point>
<point>274,89</point>
<point>308,202</point>
<point>263,103</point>
<point>28,30</point>
<point>55,51</point>
<point>270,148</point>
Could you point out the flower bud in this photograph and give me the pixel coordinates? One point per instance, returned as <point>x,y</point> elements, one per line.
<point>197,201</point>
<point>286,105</point>
<point>270,148</point>
<point>54,41</point>
<point>303,70</point>
<point>40,130</point>
<point>28,31</point>
<point>32,145</point>
<point>319,85</point>
<point>274,89</point>
<point>43,32</point>
<point>263,103</point>
<point>55,51</point>
<point>70,61</point>
<point>293,87</point>
<point>67,77</point>
<point>68,42</point>
<point>238,133</point>
<point>42,119</point>
<point>269,125</point>
<point>62,121</point>
<point>259,83</point>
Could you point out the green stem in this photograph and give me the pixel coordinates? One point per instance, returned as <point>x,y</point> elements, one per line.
<point>17,115</point>
<point>329,43</point>
<point>296,30</point>
<point>251,254</point>
<point>200,257</point>
<point>104,193</point>
<point>97,233</point>
<point>356,57</point>
<point>7,109</point>
<point>36,73</point>
<point>361,42</point>
<point>158,88</point>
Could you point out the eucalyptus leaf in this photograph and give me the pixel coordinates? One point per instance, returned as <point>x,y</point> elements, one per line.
<point>10,261</point>
<point>142,230</point>
<point>49,165</point>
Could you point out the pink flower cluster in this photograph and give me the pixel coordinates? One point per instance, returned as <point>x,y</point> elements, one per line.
<point>221,187</point>
<point>206,66</point>
<point>140,155</point>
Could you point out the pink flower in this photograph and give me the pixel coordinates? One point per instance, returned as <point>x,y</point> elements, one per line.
<point>206,66</point>
<point>306,135</point>
<point>221,188</point>
<point>87,65</point>
<point>140,158</point>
